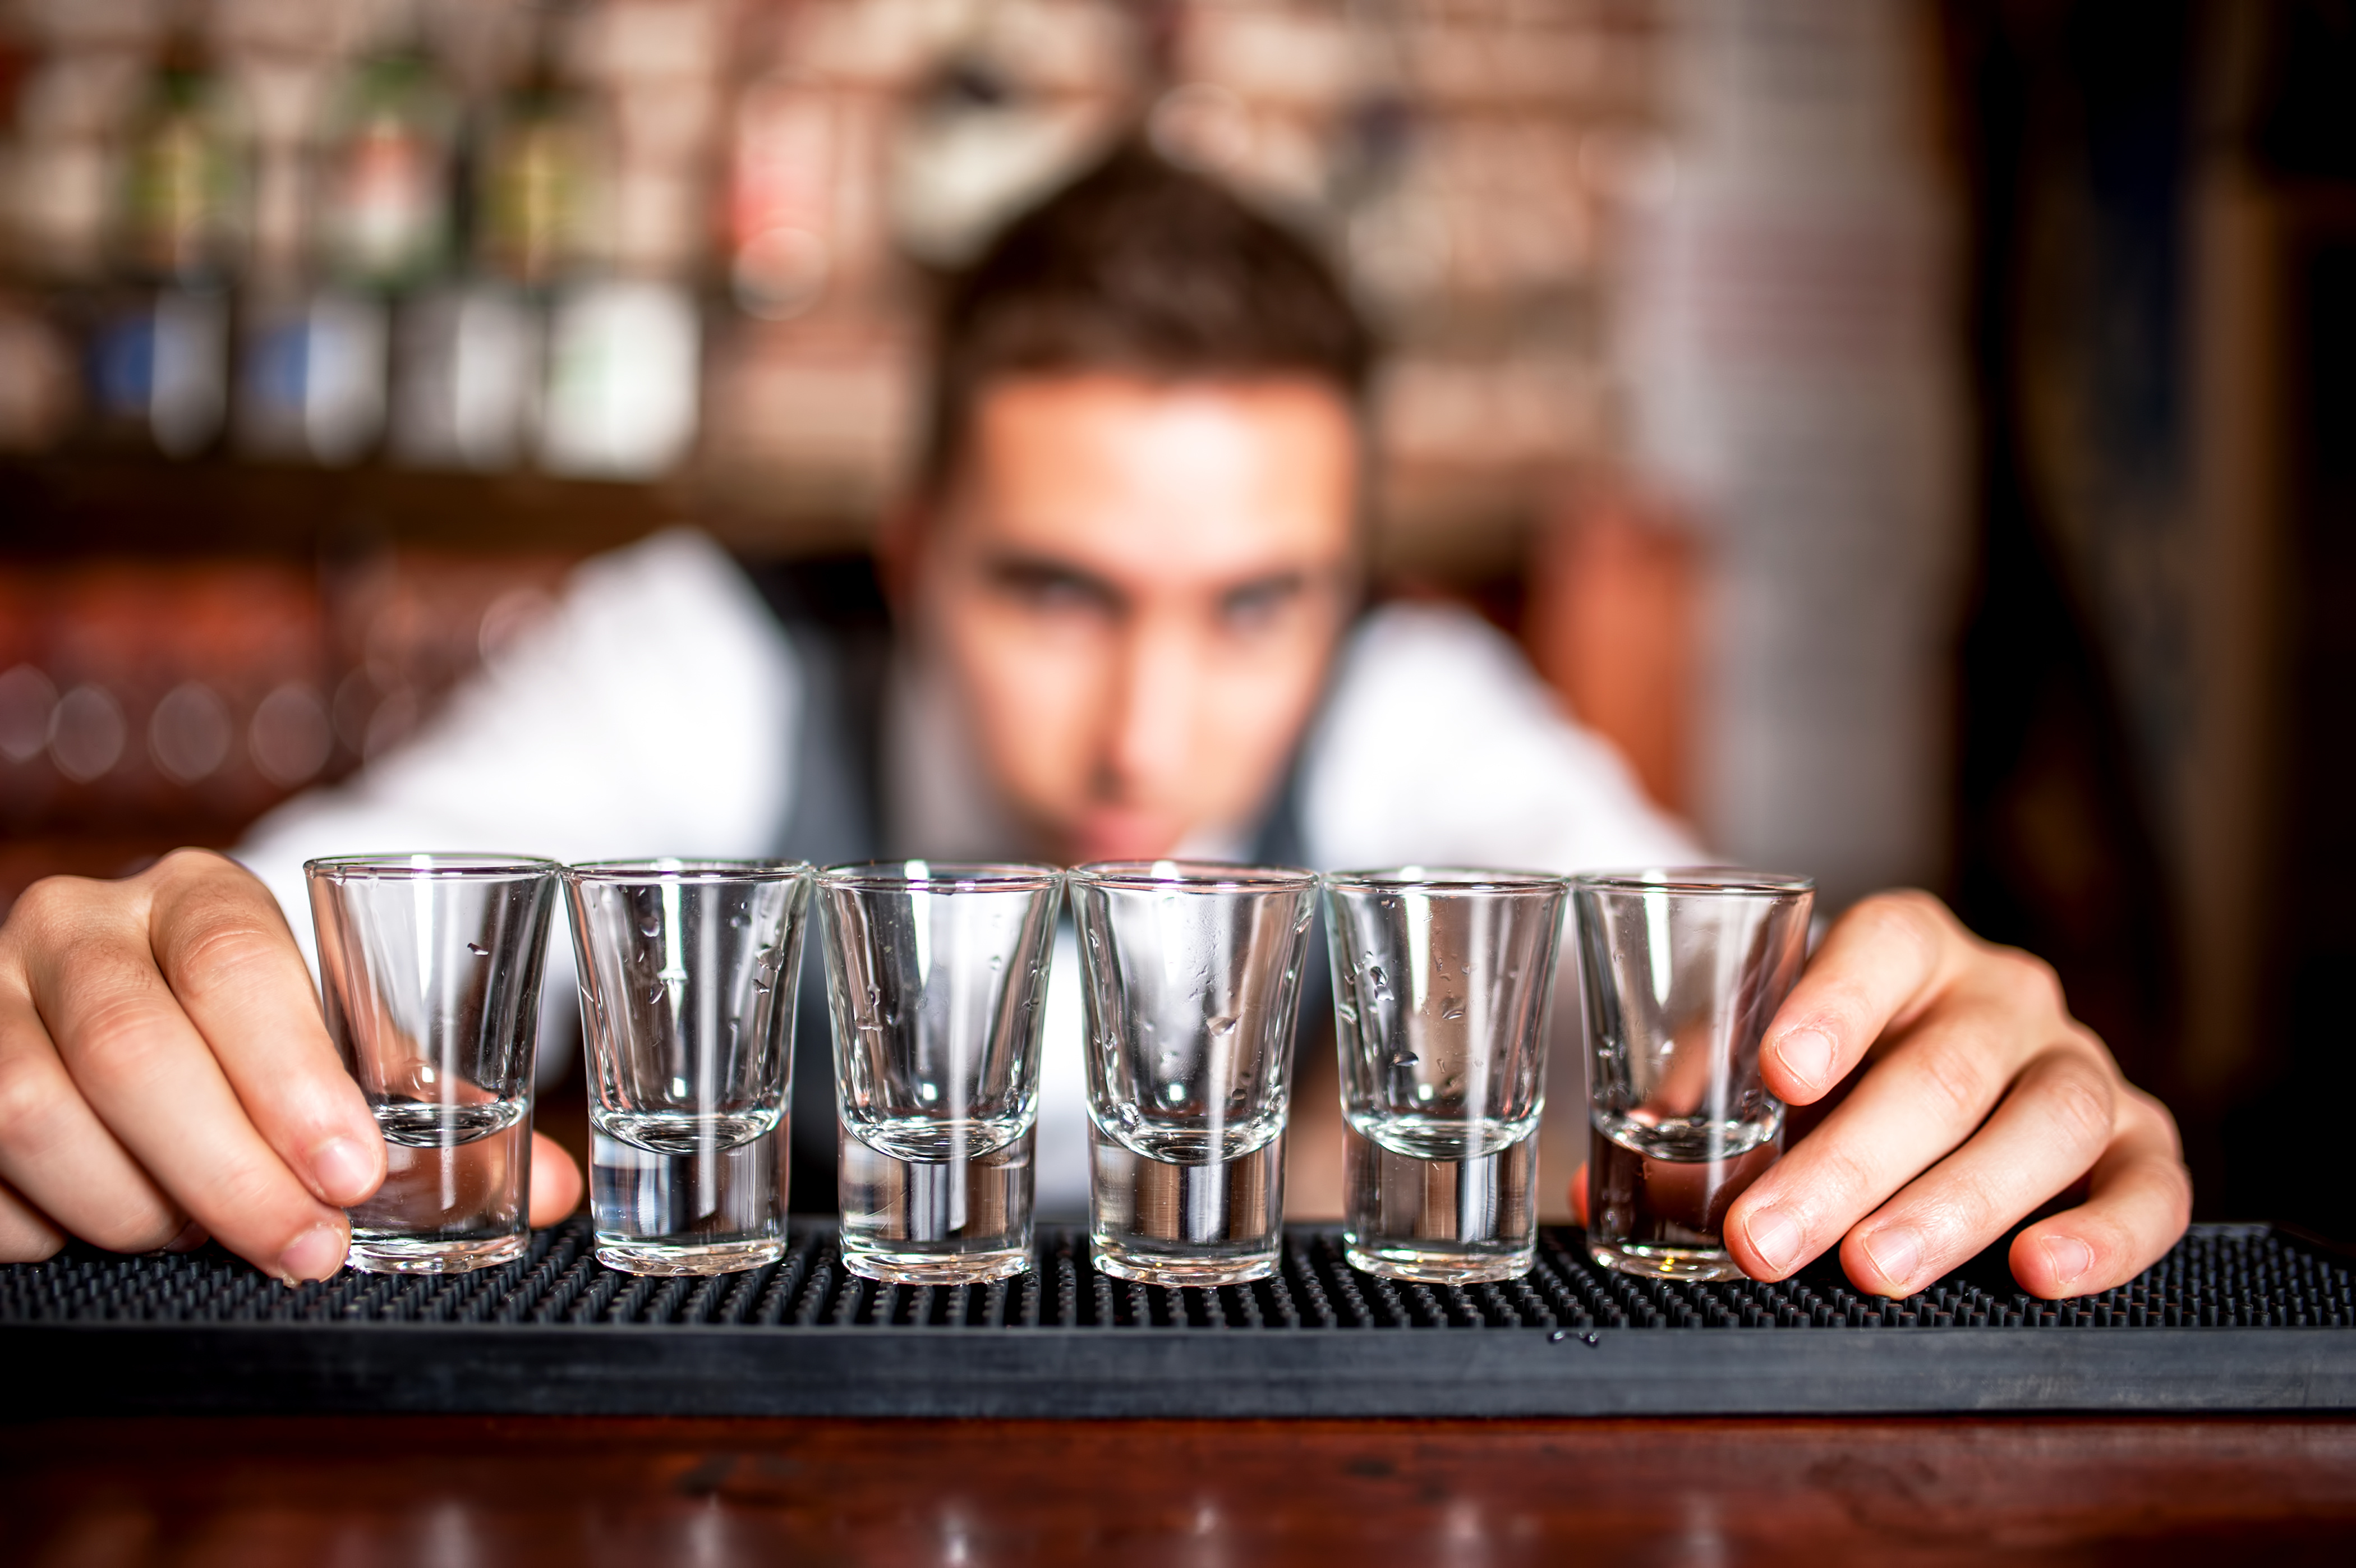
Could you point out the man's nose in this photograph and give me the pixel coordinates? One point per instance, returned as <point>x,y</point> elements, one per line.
<point>1149,738</point>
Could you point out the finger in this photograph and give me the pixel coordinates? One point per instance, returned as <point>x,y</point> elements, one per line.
<point>1878,965</point>
<point>152,1081</point>
<point>2054,1124</point>
<point>1925,1096</point>
<point>224,949</point>
<point>555,1181</point>
<point>1579,1195</point>
<point>56,1153</point>
<point>2139,1200</point>
<point>26,1235</point>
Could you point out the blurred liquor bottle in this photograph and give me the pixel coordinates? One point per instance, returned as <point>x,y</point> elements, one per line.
<point>624,349</point>
<point>471,353</point>
<point>779,213</point>
<point>158,348</point>
<point>313,385</point>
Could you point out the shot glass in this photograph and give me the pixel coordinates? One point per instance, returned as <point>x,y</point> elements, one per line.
<point>688,973</point>
<point>429,974</point>
<point>1683,971</point>
<point>1441,981</point>
<point>1192,985</point>
<point>936,982</point>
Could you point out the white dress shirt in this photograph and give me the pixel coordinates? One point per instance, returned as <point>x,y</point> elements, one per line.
<point>654,714</point>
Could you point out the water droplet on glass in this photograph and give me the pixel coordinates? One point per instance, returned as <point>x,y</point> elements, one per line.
<point>737,920</point>
<point>1349,1014</point>
<point>654,992</point>
<point>875,996</point>
<point>1225,1023</point>
<point>479,949</point>
<point>1405,1059</point>
<point>650,924</point>
<point>1451,1008</point>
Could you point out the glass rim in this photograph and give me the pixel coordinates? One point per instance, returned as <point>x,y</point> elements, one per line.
<point>1698,881</point>
<point>655,870</point>
<point>1447,881</point>
<point>488,865</point>
<point>1195,876</point>
<point>941,875</point>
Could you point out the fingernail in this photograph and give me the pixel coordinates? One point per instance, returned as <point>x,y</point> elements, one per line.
<point>345,1172</point>
<point>317,1253</point>
<point>190,1237</point>
<point>1895,1252</point>
<point>1808,1056</point>
<point>2068,1257</point>
<point>1775,1236</point>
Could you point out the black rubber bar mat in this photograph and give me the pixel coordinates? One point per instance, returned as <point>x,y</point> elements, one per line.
<point>2237,1317</point>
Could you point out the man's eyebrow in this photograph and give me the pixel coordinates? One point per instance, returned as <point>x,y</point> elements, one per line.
<point>1290,581</point>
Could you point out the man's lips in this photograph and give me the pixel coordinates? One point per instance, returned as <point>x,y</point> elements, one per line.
<point>1118,834</point>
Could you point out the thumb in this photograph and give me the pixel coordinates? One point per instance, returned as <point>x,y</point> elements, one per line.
<point>1578,1195</point>
<point>555,1181</point>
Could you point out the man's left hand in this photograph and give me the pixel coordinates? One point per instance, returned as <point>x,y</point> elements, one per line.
<point>1981,1100</point>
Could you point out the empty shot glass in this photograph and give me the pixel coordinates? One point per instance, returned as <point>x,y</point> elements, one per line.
<point>937,983</point>
<point>687,975</point>
<point>1683,971</point>
<point>1442,982</point>
<point>1193,986</point>
<point>429,974</point>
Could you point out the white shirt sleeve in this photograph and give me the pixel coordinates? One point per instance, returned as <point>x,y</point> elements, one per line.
<point>1439,746</point>
<point>651,714</point>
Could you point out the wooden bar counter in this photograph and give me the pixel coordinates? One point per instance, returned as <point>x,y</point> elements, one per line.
<point>577,1492</point>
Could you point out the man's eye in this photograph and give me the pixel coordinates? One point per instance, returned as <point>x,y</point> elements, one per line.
<point>1047,591</point>
<point>1253,606</point>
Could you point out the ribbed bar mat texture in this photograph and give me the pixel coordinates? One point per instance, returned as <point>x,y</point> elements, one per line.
<point>2235,1318</point>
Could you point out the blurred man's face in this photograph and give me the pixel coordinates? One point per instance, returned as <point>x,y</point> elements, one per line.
<point>1134,588</point>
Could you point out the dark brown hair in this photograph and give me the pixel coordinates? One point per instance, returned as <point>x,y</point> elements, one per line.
<point>1137,266</point>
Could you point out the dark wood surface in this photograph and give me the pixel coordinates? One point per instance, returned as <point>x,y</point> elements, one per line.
<point>581,1493</point>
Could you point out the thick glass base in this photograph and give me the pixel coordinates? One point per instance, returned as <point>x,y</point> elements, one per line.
<point>1195,1266</point>
<point>935,1222</point>
<point>1162,1222</point>
<point>1460,1220</point>
<point>415,1255</point>
<point>658,1257</point>
<point>1667,1263</point>
<point>1441,1266</point>
<point>935,1268</point>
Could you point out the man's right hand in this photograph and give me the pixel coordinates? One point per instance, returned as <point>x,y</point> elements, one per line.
<point>165,1074</point>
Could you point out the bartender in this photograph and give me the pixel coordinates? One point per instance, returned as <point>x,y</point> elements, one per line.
<point>1119,617</point>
